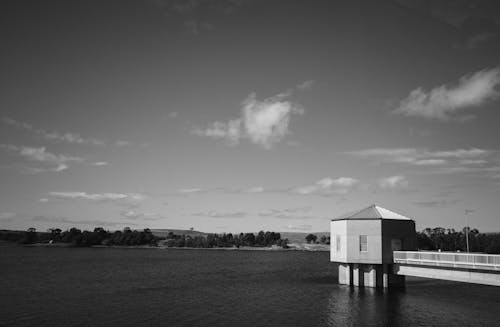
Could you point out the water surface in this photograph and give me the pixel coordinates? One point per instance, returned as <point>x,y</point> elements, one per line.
<point>151,287</point>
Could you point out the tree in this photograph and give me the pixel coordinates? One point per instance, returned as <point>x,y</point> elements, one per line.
<point>311,238</point>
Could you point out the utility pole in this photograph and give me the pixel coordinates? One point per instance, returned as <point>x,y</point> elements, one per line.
<point>467,211</point>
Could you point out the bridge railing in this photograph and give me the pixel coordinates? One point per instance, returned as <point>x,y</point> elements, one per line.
<point>449,259</point>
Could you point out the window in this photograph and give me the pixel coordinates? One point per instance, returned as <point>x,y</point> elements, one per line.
<point>338,242</point>
<point>363,243</point>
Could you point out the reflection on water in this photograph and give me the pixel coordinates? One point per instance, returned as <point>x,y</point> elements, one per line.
<point>353,306</point>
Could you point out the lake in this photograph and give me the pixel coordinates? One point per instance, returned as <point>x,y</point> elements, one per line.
<point>156,287</point>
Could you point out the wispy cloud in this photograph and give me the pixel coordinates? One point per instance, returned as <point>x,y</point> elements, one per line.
<point>65,220</point>
<point>436,203</point>
<point>306,85</point>
<point>299,213</point>
<point>131,214</point>
<point>99,197</point>
<point>256,189</point>
<point>393,183</point>
<point>100,163</point>
<point>218,214</point>
<point>192,190</point>
<point>41,160</point>
<point>473,160</point>
<point>327,186</point>
<point>198,15</point>
<point>302,227</point>
<point>263,122</point>
<point>444,102</point>
<point>70,138</point>
<point>424,157</point>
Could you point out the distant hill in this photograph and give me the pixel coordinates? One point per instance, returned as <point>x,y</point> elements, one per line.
<point>296,237</point>
<point>187,232</point>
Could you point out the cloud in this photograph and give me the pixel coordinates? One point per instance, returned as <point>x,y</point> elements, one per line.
<point>299,213</point>
<point>441,160</point>
<point>393,183</point>
<point>435,203</point>
<point>327,186</point>
<point>99,197</point>
<point>198,14</point>
<point>263,122</point>
<point>302,227</point>
<point>65,220</point>
<point>140,215</point>
<point>70,138</point>
<point>217,214</point>
<point>306,85</point>
<point>172,114</point>
<point>190,190</point>
<point>443,102</point>
<point>123,143</point>
<point>256,189</point>
<point>45,161</point>
<point>43,200</point>
<point>100,163</point>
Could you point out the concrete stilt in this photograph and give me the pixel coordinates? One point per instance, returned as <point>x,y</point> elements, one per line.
<point>345,274</point>
<point>390,279</point>
<point>358,275</point>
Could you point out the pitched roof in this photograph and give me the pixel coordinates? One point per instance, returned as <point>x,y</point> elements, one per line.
<point>373,212</point>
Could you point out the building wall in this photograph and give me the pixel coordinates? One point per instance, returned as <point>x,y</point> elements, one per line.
<point>349,232</point>
<point>403,230</point>
<point>338,229</point>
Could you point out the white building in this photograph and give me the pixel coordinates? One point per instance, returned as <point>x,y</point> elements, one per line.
<point>362,242</point>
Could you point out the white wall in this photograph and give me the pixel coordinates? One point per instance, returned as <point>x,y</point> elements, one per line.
<point>338,228</point>
<point>349,231</point>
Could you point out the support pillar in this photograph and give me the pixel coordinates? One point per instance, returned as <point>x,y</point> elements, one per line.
<point>357,275</point>
<point>390,279</point>
<point>369,273</point>
<point>345,274</point>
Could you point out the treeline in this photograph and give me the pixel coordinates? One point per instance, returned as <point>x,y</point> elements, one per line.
<point>262,239</point>
<point>313,239</point>
<point>77,237</point>
<point>129,237</point>
<point>451,240</point>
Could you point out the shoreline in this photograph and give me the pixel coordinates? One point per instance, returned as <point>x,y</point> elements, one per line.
<point>293,247</point>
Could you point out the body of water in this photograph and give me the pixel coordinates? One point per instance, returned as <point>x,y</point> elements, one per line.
<point>151,287</point>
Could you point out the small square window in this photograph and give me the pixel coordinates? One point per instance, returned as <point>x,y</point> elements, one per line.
<point>363,243</point>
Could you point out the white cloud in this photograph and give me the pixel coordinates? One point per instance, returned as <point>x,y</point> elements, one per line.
<point>123,143</point>
<point>70,138</point>
<point>45,161</point>
<point>393,182</point>
<point>43,200</point>
<point>256,189</point>
<point>173,114</point>
<point>131,214</point>
<point>190,190</point>
<point>217,214</point>
<point>263,122</point>
<point>424,157</point>
<point>306,85</point>
<point>327,186</point>
<point>303,227</point>
<point>443,102</point>
<point>100,163</point>
<point>136,197</point>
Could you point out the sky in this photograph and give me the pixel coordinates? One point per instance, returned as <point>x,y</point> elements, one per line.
<point>240,116</point>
